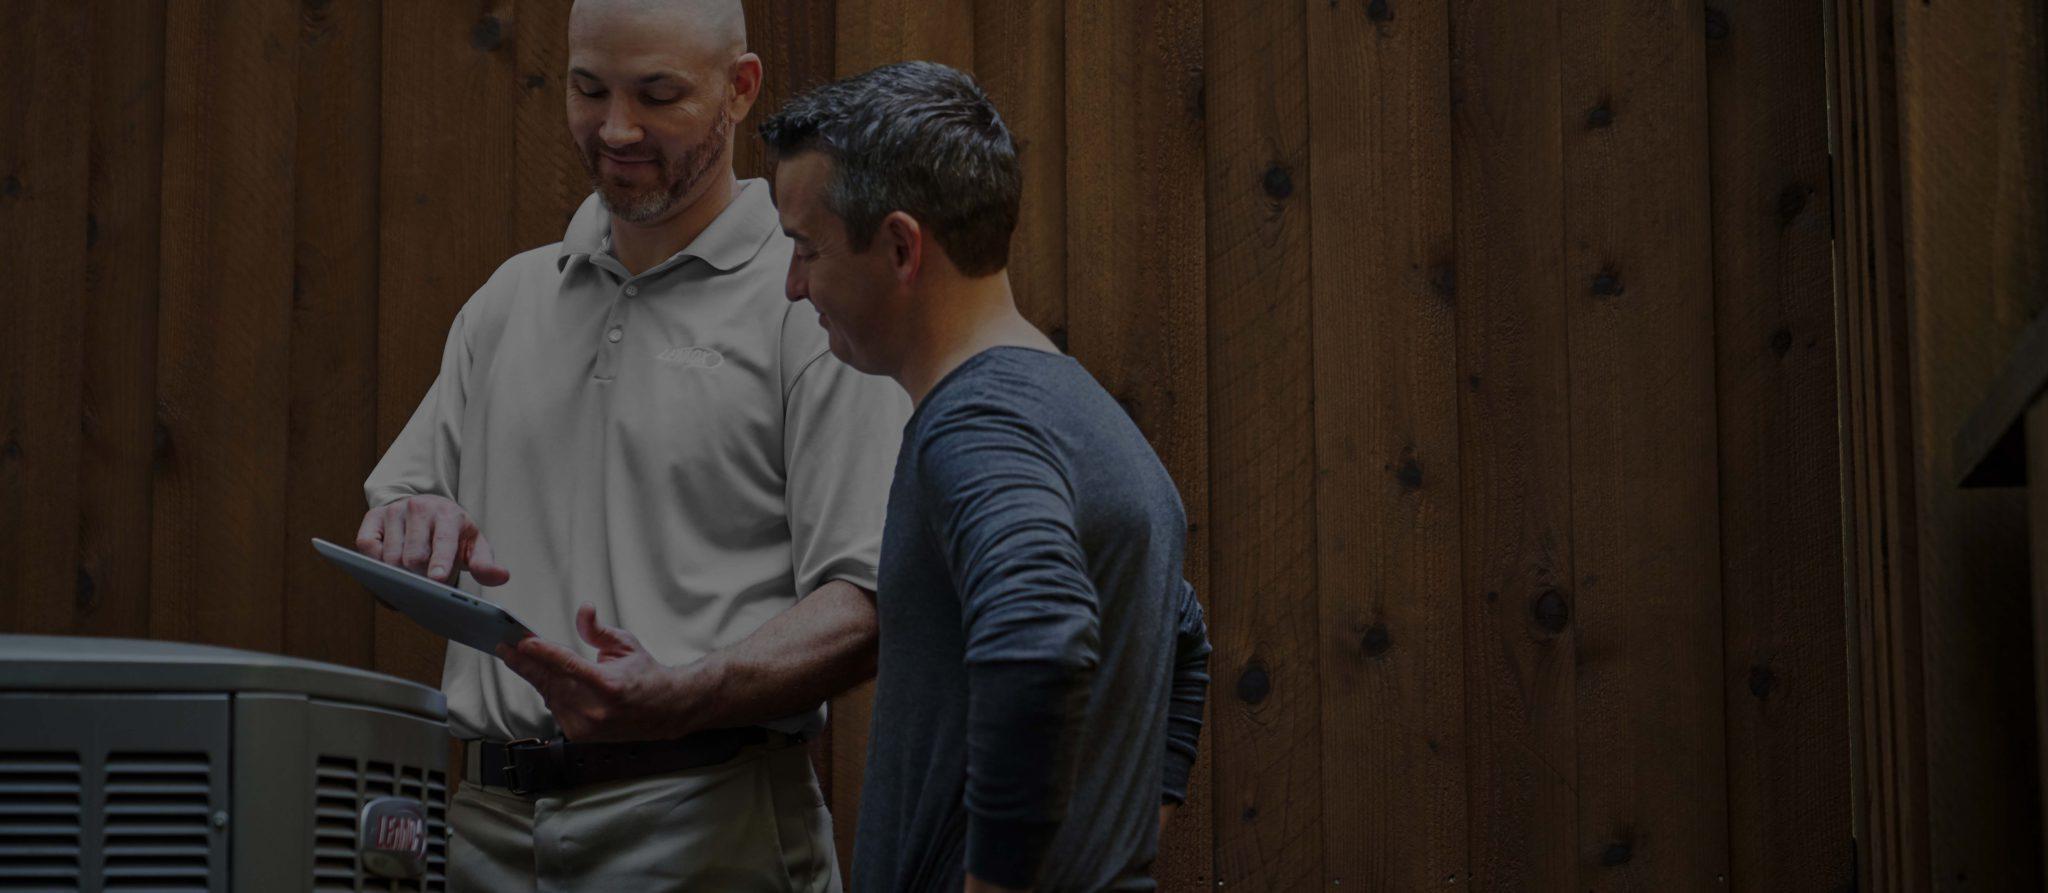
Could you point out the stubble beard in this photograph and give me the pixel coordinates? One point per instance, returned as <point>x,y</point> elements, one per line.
<point>680,176</point>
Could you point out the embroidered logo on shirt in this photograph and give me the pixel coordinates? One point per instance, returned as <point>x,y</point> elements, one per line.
<point>698,357</point>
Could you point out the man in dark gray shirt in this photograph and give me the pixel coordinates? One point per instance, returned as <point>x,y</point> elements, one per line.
<point>1042,660</point>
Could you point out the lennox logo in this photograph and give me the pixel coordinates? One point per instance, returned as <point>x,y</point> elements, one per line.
<point>698,357</point>
<point>392,837</point>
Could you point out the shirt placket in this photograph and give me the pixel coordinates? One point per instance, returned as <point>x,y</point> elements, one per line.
<point>613,335</point>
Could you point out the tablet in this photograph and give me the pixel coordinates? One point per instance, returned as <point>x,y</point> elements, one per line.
<point>444,610</point>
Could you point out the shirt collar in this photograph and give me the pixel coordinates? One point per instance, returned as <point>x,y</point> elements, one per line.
<point>733,238</point>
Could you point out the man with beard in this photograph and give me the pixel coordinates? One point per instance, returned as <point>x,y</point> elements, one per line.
<point>632,429</point>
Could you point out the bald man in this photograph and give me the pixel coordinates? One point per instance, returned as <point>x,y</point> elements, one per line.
<point>632,429</point>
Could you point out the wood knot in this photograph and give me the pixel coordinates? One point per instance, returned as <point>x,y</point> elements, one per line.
<point>1550,611</point>
<point>1376,641</point>
<point>1761,681</point>
<point>1278,181</point>
<point>92,229</point>
<point>10,187</point>
<point>1607,283</point>
<point>1617,853</point>
<point>1250,814</point>
<point>1379,11</point>
<point>488,34</point>
<point>1472,383</point>
<point>535,81</point>
<point>1781,341</point>
<point>1791,201</point>
<point>1253,685</point>
<point>1717,24</point>
<point>1409,472</point>
<point>1600,116</point>
<point>87,597</point>
<point>1444,281</point>
<point>11,450</point>
<point>160,444</point>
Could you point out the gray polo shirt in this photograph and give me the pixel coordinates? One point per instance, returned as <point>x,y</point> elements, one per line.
<point>678,448</point>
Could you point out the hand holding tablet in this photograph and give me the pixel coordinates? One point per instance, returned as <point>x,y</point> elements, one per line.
<point>442,609</point>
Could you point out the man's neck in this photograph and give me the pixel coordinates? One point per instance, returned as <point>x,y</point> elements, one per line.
<point>639,247</point>
<point>964,318</point>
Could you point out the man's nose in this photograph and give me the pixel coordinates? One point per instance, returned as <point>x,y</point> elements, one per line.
<point>619,128</point>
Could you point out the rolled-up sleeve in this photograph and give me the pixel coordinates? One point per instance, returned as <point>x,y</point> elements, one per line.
<point>426,456</point>
<point>840,433</point>
<point>1190,692</point>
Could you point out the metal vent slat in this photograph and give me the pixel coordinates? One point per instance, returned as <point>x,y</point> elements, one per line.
<point>42,805</point>
<point>157,831</point>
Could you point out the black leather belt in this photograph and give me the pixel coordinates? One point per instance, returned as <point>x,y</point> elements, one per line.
<point>534,766</point>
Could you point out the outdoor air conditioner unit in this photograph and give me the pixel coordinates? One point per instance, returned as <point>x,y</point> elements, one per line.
<point>132,765</point>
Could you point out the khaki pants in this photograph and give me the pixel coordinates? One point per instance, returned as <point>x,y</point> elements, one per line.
<point>757,822</point>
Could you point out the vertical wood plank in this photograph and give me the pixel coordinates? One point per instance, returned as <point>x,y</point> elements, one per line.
<point>1020,55</point>
<point>877,32</point>
<point>224,329</point>
<point>121,276</point>
<point>1887,709</point>
<point>44,127</point>
<point>1974,128</point>
<point>1515,435</point>
<point>1135,251</point>
<point>871,33</point>
<point>1652,793</point>
<point>551,179</point>
<point>2037,525</point>
<point>446,177</point>
<point>1781,535</point>
<point>1266,702</point>
<point>1387,457</point>
<point>794,39</point>
<point>332,442</point>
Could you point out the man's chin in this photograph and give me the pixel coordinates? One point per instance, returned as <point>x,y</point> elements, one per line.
<point>635,207</point>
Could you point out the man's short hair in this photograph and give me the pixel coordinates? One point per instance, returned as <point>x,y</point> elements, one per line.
<point>917,137</point>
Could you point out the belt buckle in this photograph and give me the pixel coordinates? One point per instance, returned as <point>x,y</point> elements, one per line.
<point>518,779</point>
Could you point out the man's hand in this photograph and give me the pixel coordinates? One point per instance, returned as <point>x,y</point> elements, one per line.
<point>429,535</point>
<point>626,695</point>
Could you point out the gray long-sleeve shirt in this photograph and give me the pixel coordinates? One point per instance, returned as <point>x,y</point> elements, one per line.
<point>1043,663</point>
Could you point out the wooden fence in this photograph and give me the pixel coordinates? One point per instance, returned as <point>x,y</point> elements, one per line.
<point>1490,342</point>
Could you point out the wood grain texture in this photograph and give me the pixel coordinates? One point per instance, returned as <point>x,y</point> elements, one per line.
<point>1136,311</point>
<point>1652,787</point>
<point>1887,707</point>
<point>1386,420</point>
<point>447,177</point>
<point>876,32</point>
<point>224,324</point>
<point>1785,674</point>
<point>332,442</point>
<point>1265,703</point>
<point>795,40</point>
<point>1974,129</point>
<point>44,129</point>
<point>1020,59</point>
<point>1515,447</point>
<point>122,243</point>
<point>551,179</point>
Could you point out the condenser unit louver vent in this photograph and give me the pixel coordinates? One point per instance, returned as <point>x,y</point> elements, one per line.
<point>42,802</point>
<point>158,805</point>
<point>342,787</point>
<point>129,765</point>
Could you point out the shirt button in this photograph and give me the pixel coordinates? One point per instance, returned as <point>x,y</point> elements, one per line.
<point>614,335</point>
<point>632,290</point>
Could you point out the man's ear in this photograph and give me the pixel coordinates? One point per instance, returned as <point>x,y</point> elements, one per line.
<point>905,242</point>
<point>746,85</point>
